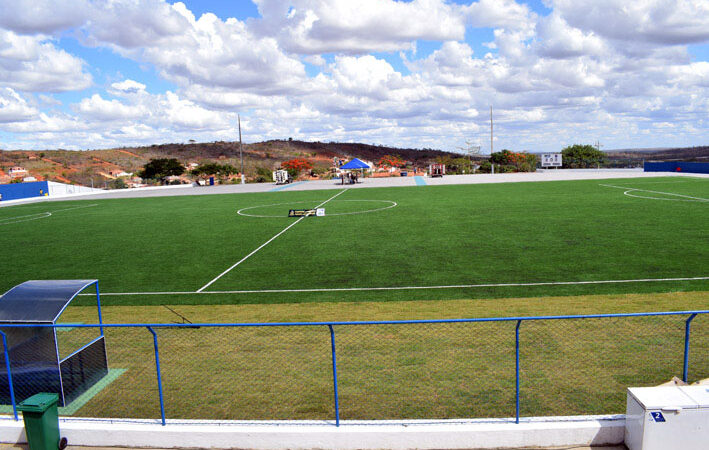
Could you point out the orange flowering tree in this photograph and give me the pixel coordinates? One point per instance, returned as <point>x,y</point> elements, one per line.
<point>519,161</point>
<point>297,165</point>
<point>390,161</point>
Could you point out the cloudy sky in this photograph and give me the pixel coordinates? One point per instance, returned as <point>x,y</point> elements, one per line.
<point>84,74</point>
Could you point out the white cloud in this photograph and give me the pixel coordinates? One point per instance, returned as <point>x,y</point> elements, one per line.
<point>42,16</point>
<point>185,114</point>
<point>205,51</point>
<point>506,14</point>
<point>14,108</point>
<point>30,63</point>
<point>588,69</point>
<point>558,40</point>
<point>656,21</point>
<point>316,26</point>
<point>106,110</point>
<point>127,87</point>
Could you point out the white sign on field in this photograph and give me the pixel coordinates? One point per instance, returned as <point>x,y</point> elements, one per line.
<point>551,159</point>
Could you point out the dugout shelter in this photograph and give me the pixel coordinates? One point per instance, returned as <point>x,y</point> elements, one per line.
<point>32,347</point>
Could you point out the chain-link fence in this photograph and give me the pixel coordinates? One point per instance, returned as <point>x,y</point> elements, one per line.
<point>438,369</point>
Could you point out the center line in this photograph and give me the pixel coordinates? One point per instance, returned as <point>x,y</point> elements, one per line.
<point>264,244</point>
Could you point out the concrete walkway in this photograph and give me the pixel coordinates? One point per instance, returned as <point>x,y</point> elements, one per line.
<point>72,447</point>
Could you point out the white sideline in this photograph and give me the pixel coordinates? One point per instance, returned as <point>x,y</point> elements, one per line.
<point>434,434</point>
<point>264,244</point>
<point>402,288</point>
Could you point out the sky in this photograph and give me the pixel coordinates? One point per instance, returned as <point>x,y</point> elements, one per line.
<point>88,74</point>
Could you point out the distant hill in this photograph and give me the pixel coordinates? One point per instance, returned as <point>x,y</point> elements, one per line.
<point>662,154</point>
<point>100,166</point>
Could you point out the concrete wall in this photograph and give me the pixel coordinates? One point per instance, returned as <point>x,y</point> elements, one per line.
<point>435,434</point>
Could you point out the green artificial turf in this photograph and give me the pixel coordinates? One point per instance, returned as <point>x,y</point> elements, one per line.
<point>436,235</point>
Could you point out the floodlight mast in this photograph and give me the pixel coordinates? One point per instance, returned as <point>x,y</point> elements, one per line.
<point>241,152</point>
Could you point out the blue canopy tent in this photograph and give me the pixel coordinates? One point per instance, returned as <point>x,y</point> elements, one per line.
<point>32,347</point>
<point>355,164</point>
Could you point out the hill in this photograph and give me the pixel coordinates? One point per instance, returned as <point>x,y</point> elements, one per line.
<point>100,167</point>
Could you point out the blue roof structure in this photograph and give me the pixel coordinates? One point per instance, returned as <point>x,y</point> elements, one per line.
<point>355,164</point>
<point>32,357</point>
<point>39,300</point>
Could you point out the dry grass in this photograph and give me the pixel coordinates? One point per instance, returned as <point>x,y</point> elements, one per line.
<point>395,371</point>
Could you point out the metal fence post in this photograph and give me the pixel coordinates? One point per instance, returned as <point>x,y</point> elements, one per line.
<point>519,322</point>
<point>157,367</point>
<point>9,374</point>
<point>687,326</point>
<point>334,375</point>
<point>98,304</point>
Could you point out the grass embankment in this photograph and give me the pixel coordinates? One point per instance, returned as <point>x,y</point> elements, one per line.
<point>395,371</point>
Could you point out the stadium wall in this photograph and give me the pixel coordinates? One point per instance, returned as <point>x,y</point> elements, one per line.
<point>17,191</point>
<point>676,166</point>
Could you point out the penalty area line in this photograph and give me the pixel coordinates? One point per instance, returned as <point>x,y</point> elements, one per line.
<point>404,288</point>
<point>263,245</point>
<point>631,189</point>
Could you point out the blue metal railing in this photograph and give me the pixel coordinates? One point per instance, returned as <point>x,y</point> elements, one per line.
<point>330,325</point>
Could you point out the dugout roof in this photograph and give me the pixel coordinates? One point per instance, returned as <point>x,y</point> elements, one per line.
<point>40,301</point>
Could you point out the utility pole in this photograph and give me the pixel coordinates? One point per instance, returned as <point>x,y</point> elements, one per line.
<point>241,152</point>
<point>491,130</point>
<point>492,165</point>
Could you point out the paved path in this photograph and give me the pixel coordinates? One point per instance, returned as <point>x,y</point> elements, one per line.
<point>73,447</point>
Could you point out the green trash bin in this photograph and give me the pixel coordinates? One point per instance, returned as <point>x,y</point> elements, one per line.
<point>42,422</point>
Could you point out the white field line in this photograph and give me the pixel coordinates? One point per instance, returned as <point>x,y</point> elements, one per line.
<point>263,245</point>
<point>40,215</point>
<point>392,205</point>
<point>630,189</point>
<point>402,288</point>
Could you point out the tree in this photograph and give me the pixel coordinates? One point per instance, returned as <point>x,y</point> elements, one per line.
<point>220,170</point>
<point>577,155</point>
<point>508,160</point>
<point>161,168</point>
<point>297,165</point>
<point>390,161</point>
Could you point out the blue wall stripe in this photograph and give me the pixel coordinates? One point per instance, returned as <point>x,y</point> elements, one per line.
<point>419,181</point>
<point>677,166</point>
<point>286,186</point>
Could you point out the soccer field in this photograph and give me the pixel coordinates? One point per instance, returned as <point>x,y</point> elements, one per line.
<point>378,244</point>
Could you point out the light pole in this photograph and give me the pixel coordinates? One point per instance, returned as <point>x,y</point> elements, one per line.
<point>241,152</point>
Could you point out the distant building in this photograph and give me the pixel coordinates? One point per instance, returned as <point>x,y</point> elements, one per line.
<point>118,173</point>
<point>18,172</point>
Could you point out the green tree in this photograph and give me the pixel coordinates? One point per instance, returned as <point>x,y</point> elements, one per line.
<point>161,168</point>
<point>577,155</point>
<point>209,169</point>
<point>118,183</point>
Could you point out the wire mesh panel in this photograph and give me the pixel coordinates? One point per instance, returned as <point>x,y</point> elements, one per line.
<point>385,371</point>
<point>426,371</point>
<point>584,366</point>
<point>130,388</point>
<point>247,372</point>
<point>33,358</point>
<point>698,367</point>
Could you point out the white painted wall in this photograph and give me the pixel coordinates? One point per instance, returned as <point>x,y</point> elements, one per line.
<point>452,434</point>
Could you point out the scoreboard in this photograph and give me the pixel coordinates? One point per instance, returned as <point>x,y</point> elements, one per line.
<point>551,159</point>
